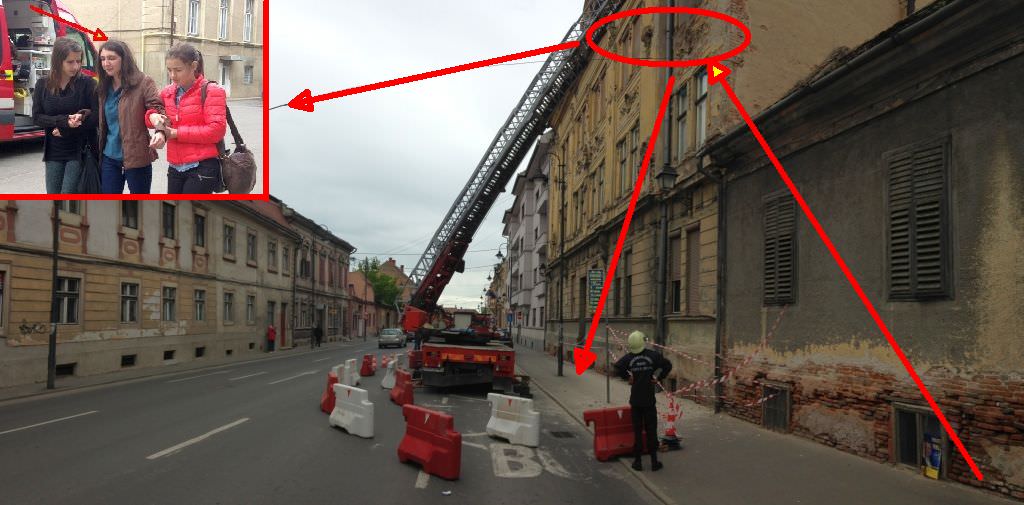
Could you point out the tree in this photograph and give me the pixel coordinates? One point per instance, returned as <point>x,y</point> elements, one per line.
<point>385,288</point>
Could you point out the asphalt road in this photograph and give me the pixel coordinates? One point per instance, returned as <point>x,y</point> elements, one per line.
<point>253,433</point>
<point>21,165</point>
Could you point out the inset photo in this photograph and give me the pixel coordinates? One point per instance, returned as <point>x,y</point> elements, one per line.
<point>133,97</point>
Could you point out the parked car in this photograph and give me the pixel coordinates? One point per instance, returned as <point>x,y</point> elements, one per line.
<point>391,336</point>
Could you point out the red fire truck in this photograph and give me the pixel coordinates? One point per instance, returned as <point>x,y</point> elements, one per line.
<point>26,40</point>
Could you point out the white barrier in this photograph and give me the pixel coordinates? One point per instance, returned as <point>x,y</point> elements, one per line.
<point>514,419</point>
<point>402,361</point>
<point>352,411</point>
<point>350,374</point>
<point>388,381</point>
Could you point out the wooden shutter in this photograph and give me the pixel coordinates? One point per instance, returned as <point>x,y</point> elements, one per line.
<point>918,222</point>
<point>779,250</point>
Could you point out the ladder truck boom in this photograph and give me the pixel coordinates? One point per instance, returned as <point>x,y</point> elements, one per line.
<point>445,253</point>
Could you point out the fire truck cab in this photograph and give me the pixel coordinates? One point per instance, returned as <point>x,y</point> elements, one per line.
<point>26,41</point>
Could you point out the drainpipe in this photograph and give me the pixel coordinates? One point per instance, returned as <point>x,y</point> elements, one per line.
<point>659,309</point>
<point>720,275</point>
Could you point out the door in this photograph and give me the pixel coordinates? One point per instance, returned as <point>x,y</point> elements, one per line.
<point>282,331</point>
<point>225,77</point>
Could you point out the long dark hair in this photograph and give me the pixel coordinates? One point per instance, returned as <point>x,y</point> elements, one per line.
<point>187,53</point>
<point>130,73</point>
<point>62,48</point>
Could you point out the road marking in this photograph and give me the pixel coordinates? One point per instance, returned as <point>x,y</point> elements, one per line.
<point>422,479</point>
<point>553,466</point>
<point>198,376</point>
<point>200,438</point>
<point>471,444</point>
<point>48,422</point>
<point>246,376</point>
<point>480,434</point>
<point>504,454</point>
<point>311,372</point>
<point>321,359</point>
<point>471,398</point>
<point>444,399</point>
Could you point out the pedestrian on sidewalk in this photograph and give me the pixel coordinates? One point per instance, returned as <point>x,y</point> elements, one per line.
<point>127,98</point>
<point>271,337</point>
<point>63,104</point>
<point>318,334</point>
<point>644,368</point>
<point>194,124</point>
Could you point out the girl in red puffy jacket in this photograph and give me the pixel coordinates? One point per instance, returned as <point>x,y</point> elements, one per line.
<point>192,126</point>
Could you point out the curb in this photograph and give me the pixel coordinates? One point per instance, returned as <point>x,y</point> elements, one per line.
<point>650,486</point>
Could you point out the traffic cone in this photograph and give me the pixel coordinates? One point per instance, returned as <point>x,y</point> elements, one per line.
<point>670,441</point>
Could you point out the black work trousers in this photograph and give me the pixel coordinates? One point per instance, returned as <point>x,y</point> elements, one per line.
<point>645,419</point>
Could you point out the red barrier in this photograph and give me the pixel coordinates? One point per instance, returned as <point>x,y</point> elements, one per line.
<point>415,360</point>
<point>327,400</point>
<point>613,431</point>
<point>401,394</point>
<point>431,440</point>
<point>367,369</point>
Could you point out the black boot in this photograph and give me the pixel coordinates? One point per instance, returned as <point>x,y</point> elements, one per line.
<point>655,465</point>
<point>638,465</point>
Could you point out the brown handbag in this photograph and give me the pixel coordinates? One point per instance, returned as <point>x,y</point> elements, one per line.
<point>238,168</point>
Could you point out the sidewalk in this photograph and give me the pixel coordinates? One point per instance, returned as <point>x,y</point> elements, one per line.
<point>66,384</point>
<point>728,461</point>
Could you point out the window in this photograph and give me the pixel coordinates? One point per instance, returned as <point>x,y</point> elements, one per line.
<point>919,436</point>
<point>129,302</point>
<point>199,229</point>
<point>247,27</point>
<point>779,250</point>
<point>634,146</point>
<point>130,214</point>
<point>627,279</point>
<point>919,249</point>
<point>250,309</point>
<point>67,300</point>
<point>199,297</point>
<point>2,274</point>
<point>229,240</point>
<point>617,295</point>
<point>247,75</point>
<point>620,148</point>
<point>222,33</point>
<point>702,107</point>
<point>270,312</point>
<point>170,296</point>
<point>272,255</point>
<point>229,307</point>
<point>675,268</point>
<point>680,123</point>
<point>285,260</point>
<point>168,220</point>
<point>541,309</point>
<point>128,360</point>
<point>693,272</point>
<point>193,17</point>
<point>600,187</point>
<point>250,247</point>
<point>70,206</point>
<point>168,355</point>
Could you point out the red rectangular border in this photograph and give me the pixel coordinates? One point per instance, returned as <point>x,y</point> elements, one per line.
<point>264,196</point>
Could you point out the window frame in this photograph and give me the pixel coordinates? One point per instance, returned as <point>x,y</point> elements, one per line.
<point>128,298</point>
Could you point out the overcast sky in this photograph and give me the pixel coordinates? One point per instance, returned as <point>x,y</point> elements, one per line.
<point>382,168</point>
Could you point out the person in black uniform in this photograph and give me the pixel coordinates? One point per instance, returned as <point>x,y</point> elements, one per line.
<point>643,368</point>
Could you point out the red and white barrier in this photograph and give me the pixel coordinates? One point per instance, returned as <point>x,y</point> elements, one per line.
<point>353,411</point>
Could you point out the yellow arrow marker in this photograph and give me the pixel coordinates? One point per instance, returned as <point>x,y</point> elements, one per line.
<point>716,73</point>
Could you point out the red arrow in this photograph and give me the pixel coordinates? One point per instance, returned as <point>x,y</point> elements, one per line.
<point>305,100</point>
<point>585,357</point>
<point>97,36</point>
<point>720,73</point>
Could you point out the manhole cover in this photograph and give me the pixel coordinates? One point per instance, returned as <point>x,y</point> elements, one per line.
<point>562,434</point>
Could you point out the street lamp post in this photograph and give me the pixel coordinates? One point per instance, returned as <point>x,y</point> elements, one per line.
<point>560,180</point>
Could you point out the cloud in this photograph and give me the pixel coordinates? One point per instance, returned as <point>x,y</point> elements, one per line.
<point>381,169</point>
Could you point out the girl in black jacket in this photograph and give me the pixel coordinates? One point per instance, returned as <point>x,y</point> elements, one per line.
<point>63,104</point>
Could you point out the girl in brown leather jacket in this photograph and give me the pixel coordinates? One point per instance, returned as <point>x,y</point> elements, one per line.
<point>126,97</point>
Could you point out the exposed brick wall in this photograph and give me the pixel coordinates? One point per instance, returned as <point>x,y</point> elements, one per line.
<point>851,408</point>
